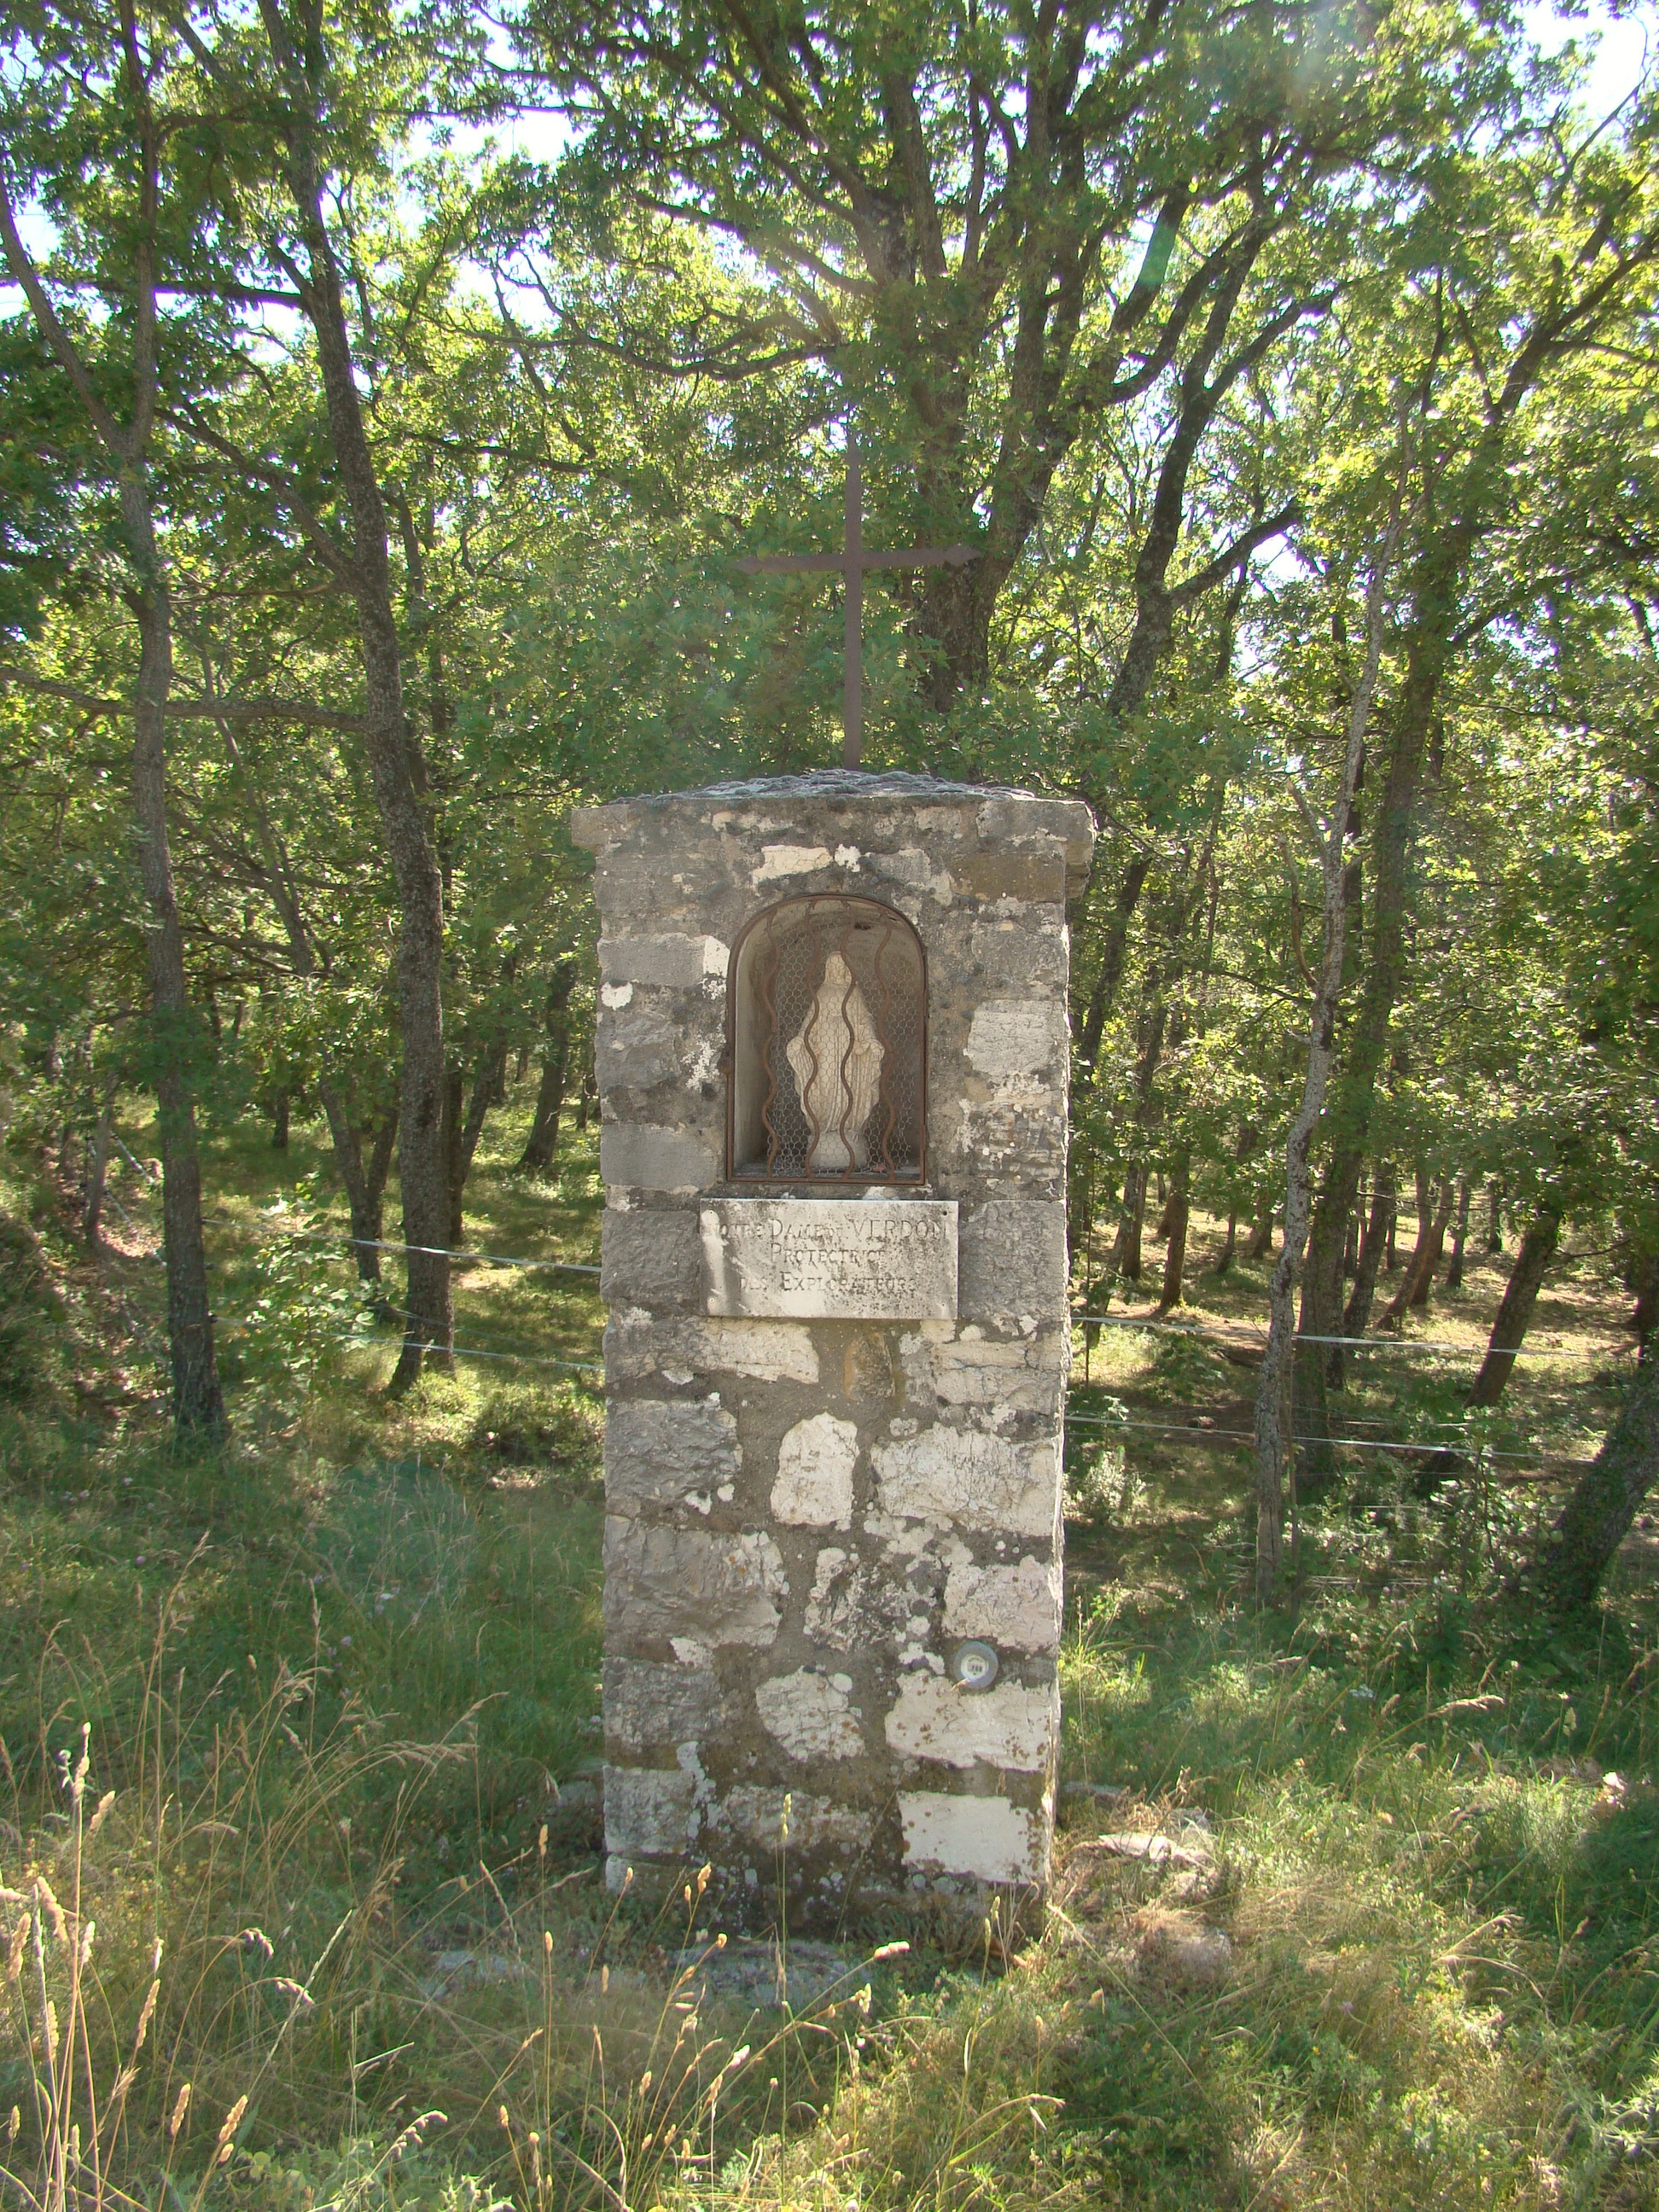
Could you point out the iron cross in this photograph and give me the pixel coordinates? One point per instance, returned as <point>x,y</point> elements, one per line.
<point>851,563</point>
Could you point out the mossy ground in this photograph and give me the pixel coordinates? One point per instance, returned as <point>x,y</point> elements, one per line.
<point>343,1678</point>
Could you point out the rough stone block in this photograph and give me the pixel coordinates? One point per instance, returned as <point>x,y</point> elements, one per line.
<point>811,1715</point>
<point>650,1257</point>
<point>666,1451</point>
<point>1033,877</point>
<point>1017,1608</point>
<point>649,1810</point>
<point>1015,818</point>
<point>1012,1263</point>
<point>637,1343</point>
<point>690,1586</point>
<point>675,960</point>
<point>1009,1726</point>
<point>850,1608</point>
<point>808,1825</point>
<point>1013,1040</point>
<point>984,1836</point>
<point>1021,1377</point>
<point>814,1486</point>
<point>1005,956</point>
<point>965,1476</point>
<point>914,869</point>
<point>646,1155</point>
<point>653,1708</point>
<point>636,1047</point>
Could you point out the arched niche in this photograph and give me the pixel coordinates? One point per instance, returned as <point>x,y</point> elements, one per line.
<point>827,1031</point>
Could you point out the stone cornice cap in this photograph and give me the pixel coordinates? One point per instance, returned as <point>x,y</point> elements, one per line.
<point>1001,813</point>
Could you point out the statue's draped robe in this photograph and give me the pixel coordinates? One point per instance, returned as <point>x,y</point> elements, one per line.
<point>835,1058</point>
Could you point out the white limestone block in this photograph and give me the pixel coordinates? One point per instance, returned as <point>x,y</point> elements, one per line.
<point>1009,1726</point>
<point>811,1715</point>
<point>814,1485</point>
<point>964,1475</point>
<point>1026,1377</point>
<point>917,870</point>
<point>779,862</point>
<point>648,1811</point>
<point>1017,1608</point>
<point>984,1836</point>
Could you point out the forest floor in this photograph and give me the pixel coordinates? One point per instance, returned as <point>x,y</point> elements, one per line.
<point>1358,1905</point>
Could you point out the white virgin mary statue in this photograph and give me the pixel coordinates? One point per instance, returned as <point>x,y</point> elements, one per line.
<point>835,1058</point>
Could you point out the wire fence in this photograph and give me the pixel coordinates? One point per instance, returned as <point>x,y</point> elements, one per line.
<point>1453,1441</point>
<point>1245,1333</point>
<point>394,1244</point>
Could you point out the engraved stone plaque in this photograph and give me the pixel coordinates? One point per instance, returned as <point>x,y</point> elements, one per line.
<point>817,1258</point>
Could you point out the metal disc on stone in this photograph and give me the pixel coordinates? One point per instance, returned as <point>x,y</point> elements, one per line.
<point>975,1665</point>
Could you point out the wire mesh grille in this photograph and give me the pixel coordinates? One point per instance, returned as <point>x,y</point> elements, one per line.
<point>830,1006</point>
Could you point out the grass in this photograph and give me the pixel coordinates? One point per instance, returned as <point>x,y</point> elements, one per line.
<point>300,1750</point>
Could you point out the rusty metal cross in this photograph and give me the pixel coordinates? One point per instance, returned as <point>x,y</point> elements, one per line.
<point>851,563</point>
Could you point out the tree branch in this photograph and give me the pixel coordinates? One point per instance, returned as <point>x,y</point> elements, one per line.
<point>298,711</point>
<point>23,268</point>
<point>1194,586</point>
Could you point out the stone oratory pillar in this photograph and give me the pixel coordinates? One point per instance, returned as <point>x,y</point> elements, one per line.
<point>832,1059</point>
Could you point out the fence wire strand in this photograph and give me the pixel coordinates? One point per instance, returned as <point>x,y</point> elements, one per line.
<point>1454,1444</point>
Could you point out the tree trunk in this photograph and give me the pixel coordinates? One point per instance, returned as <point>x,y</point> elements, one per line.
<point>455,1117</point>
<point>1455,1272</point>
<point>1177,1212</point>
<point>1356,1314</point>
<point>1424,1282</point>
<point>1494,1217</point>
<point>198,1409</point>
<point>1596,1518</point>
<point>1413,1289</point>
<point>489,1089</point>
<point>1109,973</point>
<point>198,1402</point>
<point>1229,1244</point>
<point>365,1186</point>
<point>1350,1242</point>
<point>91,1212</point>
<point>1435,591</point>
<point>1261,1237</point>
<point>1166,1198</point>
<point>1126,1259</point>
<point>395,766</point>
<point>1275,1430</point>
<point>957,604</point>
<point>1520,1292</point>
<point>1647,1308</point>
<point>544,1138</point>
<point>279,1122</point>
